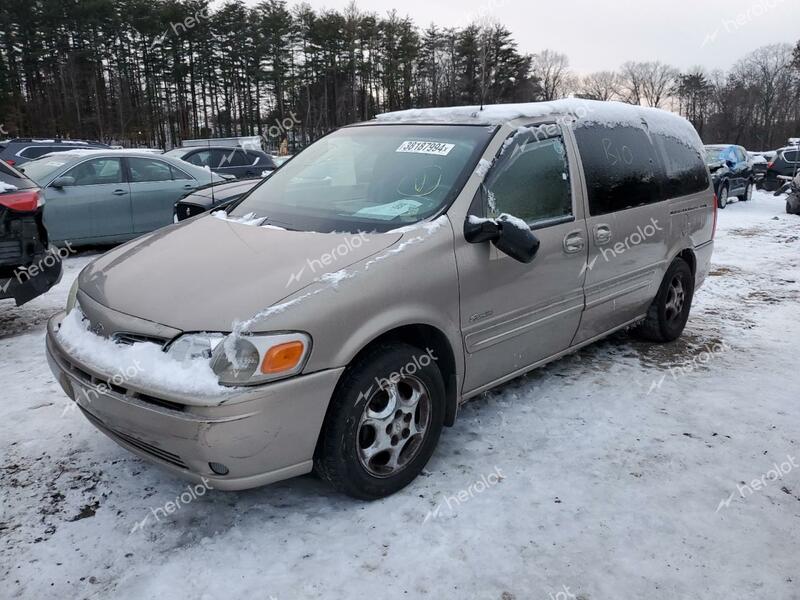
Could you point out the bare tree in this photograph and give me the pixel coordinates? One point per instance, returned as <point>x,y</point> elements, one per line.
<point>602,85</point>
<point>552,70</point>
<point>768,72</point>
<point>633,75</point>
<point>658,82</point>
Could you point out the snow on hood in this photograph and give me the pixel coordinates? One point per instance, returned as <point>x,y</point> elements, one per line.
<point>584,111</point>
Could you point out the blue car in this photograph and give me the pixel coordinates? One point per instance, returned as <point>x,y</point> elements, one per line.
<point>732,172</point>
<point>111,196</point>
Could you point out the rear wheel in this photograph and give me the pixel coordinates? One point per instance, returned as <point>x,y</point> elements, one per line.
<point>748,192</point>
<point>667,315</point>
<point>383,423</point>
<point>723,196</point>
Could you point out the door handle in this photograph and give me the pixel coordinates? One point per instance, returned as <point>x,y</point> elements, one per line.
<point>574,242</point>
<point>119,192</point>
<point>602,234</point>
<point>188,186</point>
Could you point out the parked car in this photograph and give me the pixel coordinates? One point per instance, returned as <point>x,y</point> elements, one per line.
<point>29,266</point>
<point>785,164</point>
<point>238,162</point>
<point>731,171</point>
<point>760,161</point>
<point>18,151</point>
<point>111,196</point>
<point>792,189</point>
<point>279,160</point>
<point>338,322</point>
<point>211,196</point>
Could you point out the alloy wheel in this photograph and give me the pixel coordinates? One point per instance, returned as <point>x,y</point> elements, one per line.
<point>676,296</point>
<point>393,426</point>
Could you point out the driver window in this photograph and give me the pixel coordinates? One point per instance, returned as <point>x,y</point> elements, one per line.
<point>97,171</point>
<point>531,178</point>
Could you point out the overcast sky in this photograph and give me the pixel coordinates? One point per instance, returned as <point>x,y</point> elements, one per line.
<point>602,35</point>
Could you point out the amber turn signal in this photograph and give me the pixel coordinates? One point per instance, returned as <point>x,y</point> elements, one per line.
<point>282,357</point>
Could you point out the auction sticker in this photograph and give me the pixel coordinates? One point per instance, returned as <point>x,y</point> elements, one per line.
<point>437,148</point>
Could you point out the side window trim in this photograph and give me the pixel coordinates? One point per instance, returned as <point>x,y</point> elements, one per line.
<point>173,168</point>
<point>557,134</point>
<point>122,169</point>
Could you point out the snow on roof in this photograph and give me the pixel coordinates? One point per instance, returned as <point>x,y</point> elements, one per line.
<point>585,112</point>
<point>93,151</point>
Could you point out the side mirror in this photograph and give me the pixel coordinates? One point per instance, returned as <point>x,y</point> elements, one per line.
<point>478,230</point>
<point>509,234</point>
<point>730,163</point>
<point>60,182</point>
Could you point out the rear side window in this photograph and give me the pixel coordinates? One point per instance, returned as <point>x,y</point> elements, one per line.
<point>685,169</point>
<point>621,167</point>
<point>531,179</point>
<point>37,151</point>
<point>145,169</point>
<point>178,174</point>
<point>791,156</point>
<point>201,159</point>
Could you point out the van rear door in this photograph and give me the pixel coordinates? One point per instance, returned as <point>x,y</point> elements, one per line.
<point>627,222</point>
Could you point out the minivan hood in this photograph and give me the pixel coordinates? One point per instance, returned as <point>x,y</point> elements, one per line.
<point>205,274</point>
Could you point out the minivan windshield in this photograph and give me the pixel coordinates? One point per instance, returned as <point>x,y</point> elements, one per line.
<point>369,178</point>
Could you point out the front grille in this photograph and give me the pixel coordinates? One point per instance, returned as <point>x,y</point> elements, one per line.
<point>95,383</point>
<point>150,449</point>
<point>129,339</point>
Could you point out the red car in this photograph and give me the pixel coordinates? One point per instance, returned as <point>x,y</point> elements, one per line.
<point>29,266</point>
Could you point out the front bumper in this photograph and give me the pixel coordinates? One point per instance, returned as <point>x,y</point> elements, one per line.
<point>262,434</point>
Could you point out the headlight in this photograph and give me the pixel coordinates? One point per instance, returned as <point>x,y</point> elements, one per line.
<point>195,345</point>
<point>73,296</point>
<point>254,359</point>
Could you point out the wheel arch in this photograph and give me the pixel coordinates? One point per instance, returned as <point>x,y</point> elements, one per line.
<point>422,336</point>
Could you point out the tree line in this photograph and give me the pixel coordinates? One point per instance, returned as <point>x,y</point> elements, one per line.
<point>155,72</point>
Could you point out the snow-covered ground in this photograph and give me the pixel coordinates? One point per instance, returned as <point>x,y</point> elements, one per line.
<point>624,471</point>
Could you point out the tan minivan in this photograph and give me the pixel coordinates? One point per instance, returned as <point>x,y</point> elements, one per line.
<point>337,316</point>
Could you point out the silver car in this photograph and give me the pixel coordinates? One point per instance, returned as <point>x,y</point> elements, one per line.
<point>346,307</point>
<point>111,196</point>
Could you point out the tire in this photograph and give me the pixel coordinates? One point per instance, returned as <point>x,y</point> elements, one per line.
<point>667,315</point>
<point>366,461</point>
<point>723,196</point>
<point>748,193</point>
<point>793,205</point>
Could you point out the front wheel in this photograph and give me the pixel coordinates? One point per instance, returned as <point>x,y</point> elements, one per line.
<point>384,422</point>
<point>667,315</point>
<point>723,196</point>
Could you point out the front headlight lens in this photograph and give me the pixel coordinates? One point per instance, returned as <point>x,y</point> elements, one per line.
<point>72,297</point>
<point>254,359</point>
<point>195,345</point>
